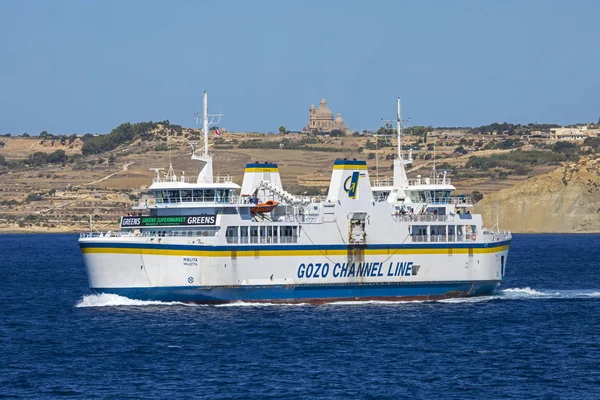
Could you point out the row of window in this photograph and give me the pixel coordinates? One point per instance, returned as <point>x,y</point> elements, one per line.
<point>262,234</point>
<point>443,233</point>
<point>430,196</point>
<point>262,231</point>
<point>222,196</point>
<point>443,229</point>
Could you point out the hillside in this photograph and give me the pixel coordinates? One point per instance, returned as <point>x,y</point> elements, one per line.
<point>55,182</point>
<point>565,200</point>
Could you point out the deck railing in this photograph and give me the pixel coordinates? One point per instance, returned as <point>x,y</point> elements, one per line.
<point>422,218</point>
<point>261,240</point>
<point>187,179</point>
<point>430,181</point>
<point>444,238</point>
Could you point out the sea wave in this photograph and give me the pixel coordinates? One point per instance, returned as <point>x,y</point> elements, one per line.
<point>114,300</point>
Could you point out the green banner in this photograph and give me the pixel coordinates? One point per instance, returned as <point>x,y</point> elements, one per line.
<point>190,220</point>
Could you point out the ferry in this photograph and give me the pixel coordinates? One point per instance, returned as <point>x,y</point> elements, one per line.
<point>210,240</point>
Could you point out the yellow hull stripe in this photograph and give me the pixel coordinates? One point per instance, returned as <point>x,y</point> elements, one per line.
<point>275,253</point>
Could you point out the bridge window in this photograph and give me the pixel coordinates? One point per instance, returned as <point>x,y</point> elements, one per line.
<point>173,196</point>
<point>159,195</point>
<point>224,196</point>
<point>438,196</point>
<point>198,195</point>
<point>418,196</point>
<point>209,195</point>
<point>186,196</point>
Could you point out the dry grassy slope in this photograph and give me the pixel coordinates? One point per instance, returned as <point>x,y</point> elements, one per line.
<point>564,200</point>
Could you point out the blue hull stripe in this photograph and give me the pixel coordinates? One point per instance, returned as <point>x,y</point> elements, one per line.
<point>308,293</point>
<point>251,247</point>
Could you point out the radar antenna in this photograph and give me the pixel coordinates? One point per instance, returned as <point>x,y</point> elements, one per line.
<point>157,172</point>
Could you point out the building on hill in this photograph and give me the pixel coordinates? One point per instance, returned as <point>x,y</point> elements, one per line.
<point>576,133</point>
<point>321,119</point>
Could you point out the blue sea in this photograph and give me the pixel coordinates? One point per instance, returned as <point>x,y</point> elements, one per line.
<point>538,337</point>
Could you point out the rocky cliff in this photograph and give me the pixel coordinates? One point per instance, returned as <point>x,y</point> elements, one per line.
<point>564,200</point>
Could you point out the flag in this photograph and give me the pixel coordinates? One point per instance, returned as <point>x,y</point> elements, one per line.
<point>218,132</point>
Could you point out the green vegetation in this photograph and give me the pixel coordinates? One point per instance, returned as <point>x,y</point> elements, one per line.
<point>337,133</point>
<point>388,129</point>
<point>503,144</point>
<point>161,147</point>
<point>288,144</point>
<point>40,158</point>
<point>593,143</point>
<point>122,134</point>
<point>512,129</point>
<point>420,131</point>
<point>11,203</point>
<point>476,196</point>
<point>517,161</point>
<point>34,197</point>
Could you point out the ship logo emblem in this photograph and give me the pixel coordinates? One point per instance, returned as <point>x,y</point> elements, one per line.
<point>351,184</point>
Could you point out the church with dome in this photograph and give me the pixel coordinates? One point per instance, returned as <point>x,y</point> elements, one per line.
<point>321,120</point>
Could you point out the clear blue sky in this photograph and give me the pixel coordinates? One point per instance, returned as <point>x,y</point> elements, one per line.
<point>87,66</point>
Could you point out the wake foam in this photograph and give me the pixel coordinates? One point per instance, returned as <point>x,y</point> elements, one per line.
<point>114,300</point>
<point>255,304</point>
<point>525,293</point>
<point>378,302</point>
<point>528,293</point>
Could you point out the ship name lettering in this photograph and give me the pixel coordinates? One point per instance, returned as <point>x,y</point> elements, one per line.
<point>355,270</point>
<point>400,269</point>
<point>316,270</point>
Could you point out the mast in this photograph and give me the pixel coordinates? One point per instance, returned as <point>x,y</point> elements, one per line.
<point>400,178</point>
<point>206,171</point>
<point>205,123</point>
<point>399,130</point>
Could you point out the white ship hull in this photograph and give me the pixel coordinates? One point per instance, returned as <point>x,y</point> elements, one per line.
<point>175,270</point>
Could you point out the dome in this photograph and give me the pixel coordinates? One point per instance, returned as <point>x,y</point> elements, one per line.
<point>339,120</point>
<point>323,112</point>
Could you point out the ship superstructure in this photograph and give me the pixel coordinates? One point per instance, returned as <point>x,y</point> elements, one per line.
<point>210,240</point>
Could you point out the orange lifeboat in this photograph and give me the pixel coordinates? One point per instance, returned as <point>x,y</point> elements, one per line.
<point>264,207</point>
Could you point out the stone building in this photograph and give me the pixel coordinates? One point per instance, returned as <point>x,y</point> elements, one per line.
<point>321,119</point>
